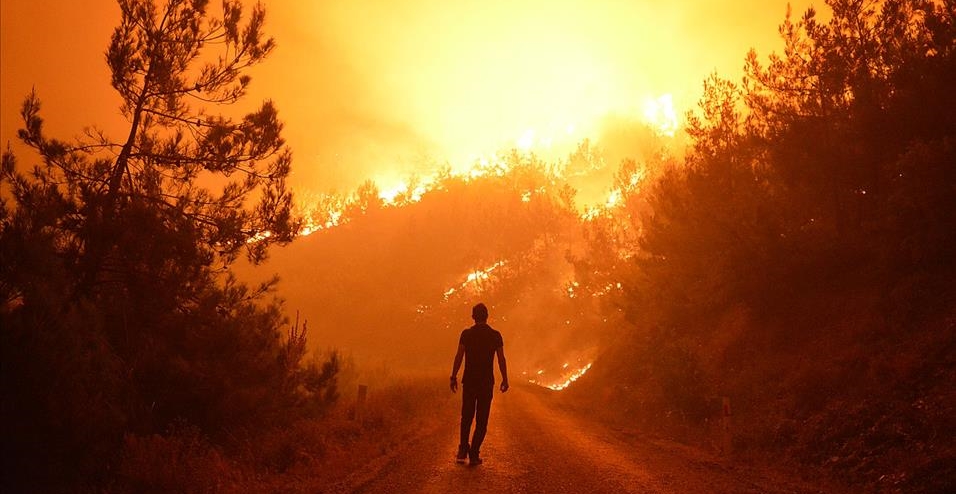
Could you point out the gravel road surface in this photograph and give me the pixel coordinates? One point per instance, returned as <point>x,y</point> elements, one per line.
<point>533,447</point>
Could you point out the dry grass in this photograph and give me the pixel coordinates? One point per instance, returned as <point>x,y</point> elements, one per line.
<point>307,457</point>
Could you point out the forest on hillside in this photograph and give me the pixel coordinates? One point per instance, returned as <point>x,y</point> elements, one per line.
<point>797,259</point>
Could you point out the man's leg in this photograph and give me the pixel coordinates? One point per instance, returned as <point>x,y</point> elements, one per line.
<point>483,408</point>
<point>468,402</point>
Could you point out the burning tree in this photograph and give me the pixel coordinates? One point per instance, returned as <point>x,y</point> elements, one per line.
<point>119,314</point>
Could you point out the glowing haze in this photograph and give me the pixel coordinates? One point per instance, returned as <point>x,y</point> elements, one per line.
<point>384,89</point>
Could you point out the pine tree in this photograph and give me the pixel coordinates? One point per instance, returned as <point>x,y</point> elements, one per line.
<point>119,313</point>
<point>176,144</point>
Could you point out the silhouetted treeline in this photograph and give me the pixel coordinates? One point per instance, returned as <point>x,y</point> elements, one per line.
<point>801,259</point>
<point>120,320</point>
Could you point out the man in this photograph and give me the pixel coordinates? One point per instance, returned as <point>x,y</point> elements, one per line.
<point>478,345</point>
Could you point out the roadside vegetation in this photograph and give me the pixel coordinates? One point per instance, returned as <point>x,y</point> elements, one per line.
<point>799,261</point>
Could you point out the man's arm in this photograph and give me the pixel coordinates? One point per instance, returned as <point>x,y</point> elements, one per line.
<point>503,367</point>
<point>456,366</point>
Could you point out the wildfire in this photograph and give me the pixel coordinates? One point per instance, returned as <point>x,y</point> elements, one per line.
<point>566,379</point>
<point>332,211</point>
<point>320,218</point>
<point>258,237</point>
<point>329,211</point>
<point>660,113</point>
<point>389,195</point>
<point>614,198</point>
<point>475,277</point>
<point>571,294</point>
<point>403,193</point>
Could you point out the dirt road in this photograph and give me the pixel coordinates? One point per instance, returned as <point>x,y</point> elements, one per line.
<point>532,447</point>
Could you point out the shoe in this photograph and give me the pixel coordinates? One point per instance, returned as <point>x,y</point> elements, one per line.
<point>462,454</point>
<point>474,459</point>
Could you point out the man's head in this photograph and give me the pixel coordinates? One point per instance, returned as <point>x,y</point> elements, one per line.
<point>479,313</point>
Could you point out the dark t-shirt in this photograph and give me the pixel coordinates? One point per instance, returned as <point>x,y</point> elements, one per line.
<point>480,342</point>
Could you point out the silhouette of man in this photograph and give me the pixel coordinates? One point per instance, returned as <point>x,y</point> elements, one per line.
<point>478,345</point>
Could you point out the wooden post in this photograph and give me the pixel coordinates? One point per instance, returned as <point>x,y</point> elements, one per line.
<point>726,439</point>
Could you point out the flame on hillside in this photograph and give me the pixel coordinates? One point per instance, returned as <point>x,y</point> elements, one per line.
<point>566,378</point>
<point>474,278</point>
<point>325,212</point>
<point>659,113</point>
<point>615,197</point>
<point>404,193</point>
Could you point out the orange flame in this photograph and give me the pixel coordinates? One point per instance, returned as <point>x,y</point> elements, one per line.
<point>660,113</point>
<point>567,378</point>
<point>475,277</point>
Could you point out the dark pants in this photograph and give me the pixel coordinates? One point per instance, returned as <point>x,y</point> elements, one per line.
<point>475,404</point>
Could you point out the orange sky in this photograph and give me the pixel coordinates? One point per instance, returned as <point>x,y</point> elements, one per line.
<point>375,88</point>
